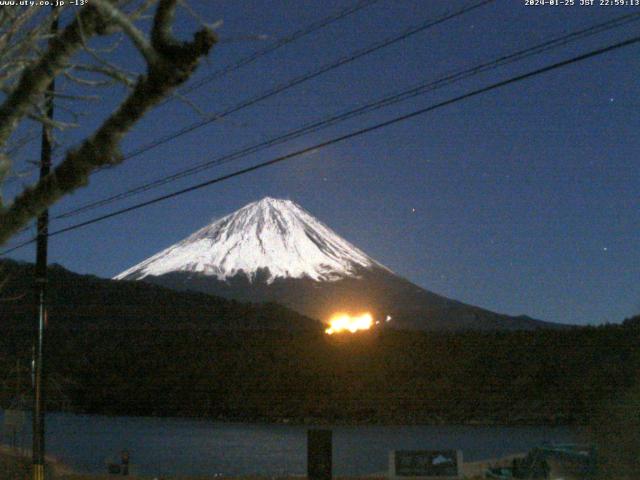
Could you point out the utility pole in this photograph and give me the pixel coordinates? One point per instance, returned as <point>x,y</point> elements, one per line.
<point>41,286</point>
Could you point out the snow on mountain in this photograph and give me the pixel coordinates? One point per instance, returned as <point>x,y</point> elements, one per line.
<point>272,234</point>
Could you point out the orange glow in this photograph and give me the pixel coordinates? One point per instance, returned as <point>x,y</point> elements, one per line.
<point>341,322</point>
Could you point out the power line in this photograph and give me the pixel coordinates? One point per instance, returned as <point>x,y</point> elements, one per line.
<point>308,76</point>
<point>324,22</point>
<point>366,108</point>
<point>278,44</point>
<point>356,133</point>
<point>305,77</point>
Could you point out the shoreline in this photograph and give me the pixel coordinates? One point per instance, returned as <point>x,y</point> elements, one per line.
<point>324,422</point>
<point>56,464</point>
<point>471,468</point>
<point>63,471</point>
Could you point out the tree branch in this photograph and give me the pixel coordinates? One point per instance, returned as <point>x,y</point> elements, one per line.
<point>117,74</point>
<point>137,37</point>
<point>35,80</point>
<point>175,62</point>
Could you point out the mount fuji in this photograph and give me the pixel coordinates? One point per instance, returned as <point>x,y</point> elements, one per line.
<point>275,238</point>
<point>273,250</point>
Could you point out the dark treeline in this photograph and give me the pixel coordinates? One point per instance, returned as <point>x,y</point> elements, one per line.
<point>518,377</point>
<point>131,348</point>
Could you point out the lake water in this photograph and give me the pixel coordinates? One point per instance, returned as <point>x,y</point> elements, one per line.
<point>171,446</point>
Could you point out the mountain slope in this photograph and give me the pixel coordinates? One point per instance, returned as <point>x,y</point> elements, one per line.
<point>274,250</point>
<point>84,301</point>
<point>383,294</point>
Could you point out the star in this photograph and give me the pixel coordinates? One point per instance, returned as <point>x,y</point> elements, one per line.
<point>413,210</point>
<point>605,249</point>
<point>611,100</point>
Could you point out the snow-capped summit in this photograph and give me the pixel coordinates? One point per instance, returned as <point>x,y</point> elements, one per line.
<point>271,235</point>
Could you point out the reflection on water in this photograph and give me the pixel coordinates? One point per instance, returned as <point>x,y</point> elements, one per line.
<point>171,446</point>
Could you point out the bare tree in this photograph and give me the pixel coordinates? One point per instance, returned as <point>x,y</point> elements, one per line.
<point>31,57</point>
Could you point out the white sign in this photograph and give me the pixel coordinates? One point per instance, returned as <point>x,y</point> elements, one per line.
<point>425,464</point>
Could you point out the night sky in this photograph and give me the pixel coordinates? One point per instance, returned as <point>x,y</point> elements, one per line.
<point>524,200</point>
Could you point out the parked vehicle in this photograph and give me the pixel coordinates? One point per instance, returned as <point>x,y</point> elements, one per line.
<point>565,461</point>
